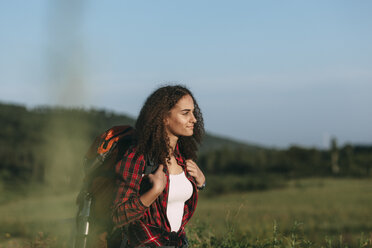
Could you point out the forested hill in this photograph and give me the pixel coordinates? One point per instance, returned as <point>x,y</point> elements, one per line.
<point>17,118</point>
<point>47,144</point>
<point>47,141</point>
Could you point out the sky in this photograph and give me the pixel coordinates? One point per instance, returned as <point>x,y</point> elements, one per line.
<point>272,73</point>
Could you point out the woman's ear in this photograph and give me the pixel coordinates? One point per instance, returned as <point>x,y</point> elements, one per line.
<point>166,121</point>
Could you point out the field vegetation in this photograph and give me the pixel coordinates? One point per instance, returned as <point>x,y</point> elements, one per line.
<point>314,212</point>
<point>256,196</point>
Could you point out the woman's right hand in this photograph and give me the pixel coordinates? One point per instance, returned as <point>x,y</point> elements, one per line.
<point>158,180</point>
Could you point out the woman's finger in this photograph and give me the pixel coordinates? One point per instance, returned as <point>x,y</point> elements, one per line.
<point>160,169</point>
<point>193,164</point>
<point>191,168</point>
<point>190,162</point>
<point>192,173</point>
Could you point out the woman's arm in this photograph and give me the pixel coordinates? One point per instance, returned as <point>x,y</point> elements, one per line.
<point>128,204</point>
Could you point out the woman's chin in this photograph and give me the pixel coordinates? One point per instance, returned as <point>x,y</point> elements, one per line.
<point>190,133</point>
<point>187,134</point>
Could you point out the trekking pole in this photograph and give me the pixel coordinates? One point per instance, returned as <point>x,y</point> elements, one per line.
<point>83,223</point>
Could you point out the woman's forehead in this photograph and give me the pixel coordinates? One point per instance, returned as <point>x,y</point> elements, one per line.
<point>186,102</point>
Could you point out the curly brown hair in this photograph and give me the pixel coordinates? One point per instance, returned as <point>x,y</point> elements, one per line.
<point>151,136</point>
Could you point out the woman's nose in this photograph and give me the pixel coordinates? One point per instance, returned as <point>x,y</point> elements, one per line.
<point>193,119</point>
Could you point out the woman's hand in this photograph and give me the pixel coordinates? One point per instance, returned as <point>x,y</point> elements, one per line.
<point>158,179</point>
<point>194,171</point>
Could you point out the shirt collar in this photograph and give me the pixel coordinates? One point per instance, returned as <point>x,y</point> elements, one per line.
<point>177,155</point>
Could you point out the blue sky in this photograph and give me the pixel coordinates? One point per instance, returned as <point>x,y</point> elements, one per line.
<point>274,73</point>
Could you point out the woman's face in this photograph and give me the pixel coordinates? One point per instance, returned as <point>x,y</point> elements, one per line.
<point>180,120</point>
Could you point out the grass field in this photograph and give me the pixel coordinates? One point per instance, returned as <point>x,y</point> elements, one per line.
<point>306,213</point>
<point>321,208</point>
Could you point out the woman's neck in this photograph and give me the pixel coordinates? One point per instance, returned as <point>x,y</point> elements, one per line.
<point>172,143</point>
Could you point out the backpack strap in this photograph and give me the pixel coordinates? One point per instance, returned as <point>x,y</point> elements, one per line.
<point>150,166</point>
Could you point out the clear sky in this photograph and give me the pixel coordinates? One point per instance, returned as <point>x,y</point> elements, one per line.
<point>275,73</point>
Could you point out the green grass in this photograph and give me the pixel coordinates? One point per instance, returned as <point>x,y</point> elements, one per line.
<point>321,208</point>
<point>307,213</point>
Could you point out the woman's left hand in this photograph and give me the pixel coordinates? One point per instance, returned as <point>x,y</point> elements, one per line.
<point>194,171</point>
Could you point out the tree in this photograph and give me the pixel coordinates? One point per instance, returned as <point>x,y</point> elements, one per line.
<point>334,156</point>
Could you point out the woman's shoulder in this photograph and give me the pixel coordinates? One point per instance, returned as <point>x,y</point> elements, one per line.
<point>131,159</point>
<point>131,152</point>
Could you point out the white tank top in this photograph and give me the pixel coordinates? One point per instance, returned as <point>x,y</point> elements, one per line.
<point>180,190</point>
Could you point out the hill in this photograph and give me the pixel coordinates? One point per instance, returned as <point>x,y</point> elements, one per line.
<point>46,145</point>
<point>41,143</point>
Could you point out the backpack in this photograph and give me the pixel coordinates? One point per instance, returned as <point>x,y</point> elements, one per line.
<point>94,225</point>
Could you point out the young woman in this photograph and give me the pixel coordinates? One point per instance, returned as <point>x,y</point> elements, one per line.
<point>168,131</point>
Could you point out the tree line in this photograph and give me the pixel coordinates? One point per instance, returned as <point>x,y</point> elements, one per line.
<point>47,145</point>
<point>294,162</point>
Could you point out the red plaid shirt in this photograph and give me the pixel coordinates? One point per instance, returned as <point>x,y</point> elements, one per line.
<point>147,226</point>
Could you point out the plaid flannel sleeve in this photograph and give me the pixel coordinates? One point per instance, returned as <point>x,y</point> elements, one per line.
<point>127,205</point>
